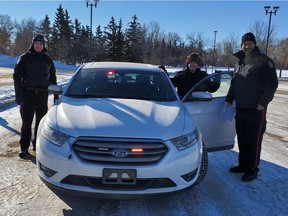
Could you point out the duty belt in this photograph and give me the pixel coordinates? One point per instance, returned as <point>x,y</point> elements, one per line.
<point>36,89</point>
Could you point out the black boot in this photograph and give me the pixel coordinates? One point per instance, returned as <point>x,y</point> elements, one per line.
<point>249,176</point>
<point>23,153</point>
<point>237,169</point>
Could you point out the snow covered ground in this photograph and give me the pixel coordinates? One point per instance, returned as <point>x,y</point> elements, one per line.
<point>220,194</point>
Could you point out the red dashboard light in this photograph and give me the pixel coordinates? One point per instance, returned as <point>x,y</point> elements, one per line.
<point>110,73</point>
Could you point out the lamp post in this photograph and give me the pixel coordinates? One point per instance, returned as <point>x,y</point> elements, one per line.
<point>91,3</point>
<point>215,33</point>
<point>270,12</point>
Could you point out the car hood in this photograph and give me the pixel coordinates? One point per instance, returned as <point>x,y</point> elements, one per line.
<point>121,118</point>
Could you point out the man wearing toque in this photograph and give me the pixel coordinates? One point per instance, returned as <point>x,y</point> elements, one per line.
<point>252,88</point>
<point>33,73</point>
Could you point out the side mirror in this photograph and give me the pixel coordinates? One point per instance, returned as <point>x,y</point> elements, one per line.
<point>200,96</point>
<point>55,89</point>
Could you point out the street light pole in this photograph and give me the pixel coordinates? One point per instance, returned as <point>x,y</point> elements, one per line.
<point>91,3</point>
<point>270,12</point>
<point>215,32</point>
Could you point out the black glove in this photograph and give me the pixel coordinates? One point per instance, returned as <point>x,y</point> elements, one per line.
<point>56,97</point>
<point>162,67</point>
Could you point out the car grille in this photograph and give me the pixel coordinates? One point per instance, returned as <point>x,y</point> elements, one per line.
<point>120,151</point>
<point>96,183</point>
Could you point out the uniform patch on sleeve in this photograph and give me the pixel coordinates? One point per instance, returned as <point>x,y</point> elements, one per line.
<point>271,65</point>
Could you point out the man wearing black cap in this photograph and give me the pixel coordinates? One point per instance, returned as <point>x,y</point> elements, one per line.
<point>184,80</point>
<point>33,73</point>
<point>252,87</point>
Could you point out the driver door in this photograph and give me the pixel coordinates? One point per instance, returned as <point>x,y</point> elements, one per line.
<point>205,103</point>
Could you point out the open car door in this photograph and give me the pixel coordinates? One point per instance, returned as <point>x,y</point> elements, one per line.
<point>205,103</point>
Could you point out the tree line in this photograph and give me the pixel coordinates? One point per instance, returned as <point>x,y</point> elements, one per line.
<point>73,43</point>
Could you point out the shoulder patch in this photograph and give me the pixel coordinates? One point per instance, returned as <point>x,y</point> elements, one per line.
<point>271,65</point>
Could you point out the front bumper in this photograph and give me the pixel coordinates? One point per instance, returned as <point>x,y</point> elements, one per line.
<point>60,167</point>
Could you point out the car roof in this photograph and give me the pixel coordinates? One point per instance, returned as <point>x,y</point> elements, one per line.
<point>119,65</point>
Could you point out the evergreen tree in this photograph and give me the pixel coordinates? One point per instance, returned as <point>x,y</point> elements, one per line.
<point>77,46</point>
<point>134,41</point>
<point>120,43</point>
<point>61,36</point>
<point>46,30</point>
<point>100,54</point>
<point>161,53</point>
<point>89,44</point>
<point>111,40</point>
<point>72,43</point>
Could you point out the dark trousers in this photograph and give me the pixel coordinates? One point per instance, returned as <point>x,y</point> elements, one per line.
<point>34,102</point>
<point>250,127</point>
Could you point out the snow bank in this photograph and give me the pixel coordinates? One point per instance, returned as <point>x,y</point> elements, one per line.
<point>10,61</point>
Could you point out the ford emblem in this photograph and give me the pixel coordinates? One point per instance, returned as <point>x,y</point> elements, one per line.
<point>120,153</point>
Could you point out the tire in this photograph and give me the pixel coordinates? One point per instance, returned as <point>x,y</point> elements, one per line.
<point>204,166</point>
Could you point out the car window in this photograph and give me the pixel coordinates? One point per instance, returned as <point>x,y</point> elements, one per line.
<point>121,83</point>
<point>216,84</point>
<point>224,81</point>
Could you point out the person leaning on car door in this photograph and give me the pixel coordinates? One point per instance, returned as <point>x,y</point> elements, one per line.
<point>185,79</point>
<point>33,73</point>
<point>252,87</point>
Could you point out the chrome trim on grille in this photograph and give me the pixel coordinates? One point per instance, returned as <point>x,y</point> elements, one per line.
<point>114,150</point>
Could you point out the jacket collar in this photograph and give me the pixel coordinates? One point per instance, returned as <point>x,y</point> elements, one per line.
<point>241,55</point>
<point>187,69</point>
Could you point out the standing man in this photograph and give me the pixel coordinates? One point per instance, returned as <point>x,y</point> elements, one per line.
<point>252,87</point>
<point>33,73</point>
<point>184,80</point>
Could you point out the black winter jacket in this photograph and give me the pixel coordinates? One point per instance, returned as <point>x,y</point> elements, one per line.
<point>184,80</point>
<point>33,70</point>
<point>255,80</point>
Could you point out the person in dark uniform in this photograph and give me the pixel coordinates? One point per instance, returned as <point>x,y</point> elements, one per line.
<point>33,73</point>
<point>252,87</point>
<point>185,79</point>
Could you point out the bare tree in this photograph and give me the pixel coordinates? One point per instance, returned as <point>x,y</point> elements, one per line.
<point>154,31</point>
<point>279,54</point>
<point>154,39</point>
<point>230,45</point>
<point>24,35</point>
<point>197,43</point>
<point>7,26</point>
<point>174,42</point>
<point>70,42</point>
<point>260,30</point>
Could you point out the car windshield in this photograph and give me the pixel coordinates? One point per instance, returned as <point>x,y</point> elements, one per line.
<point>121,83</point>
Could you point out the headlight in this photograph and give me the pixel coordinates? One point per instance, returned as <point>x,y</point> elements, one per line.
<point>53,136</point>
<point>186,140</point>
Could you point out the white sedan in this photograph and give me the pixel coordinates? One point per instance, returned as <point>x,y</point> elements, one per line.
<point>120,128</point>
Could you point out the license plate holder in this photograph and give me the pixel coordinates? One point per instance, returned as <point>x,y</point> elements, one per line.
<point>119,176</point>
